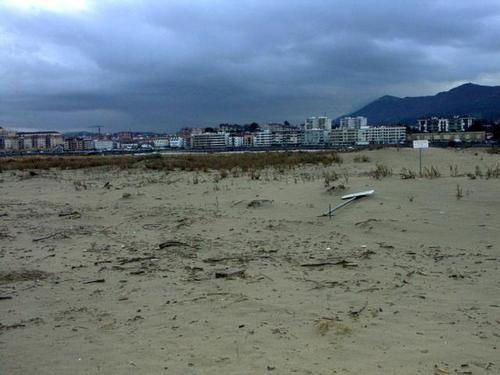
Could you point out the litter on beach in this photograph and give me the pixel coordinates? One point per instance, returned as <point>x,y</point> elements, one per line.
<point>348,199</point>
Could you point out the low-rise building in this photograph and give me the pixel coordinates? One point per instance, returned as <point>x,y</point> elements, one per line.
<point>445,124</point>
<point>248,140</point>
<point>472,137</point>
<point>100,145</point>
<point>129,146</point>
<point>78,144</point>
<point>161,143</point>
<point>287,138</point>
<point>386,135</point>
<point>316,137</point>
<point>209,141</point>
<point>263,138</point>
<point>176,142</point>
<point>343,137</point>
<point>235,141</point>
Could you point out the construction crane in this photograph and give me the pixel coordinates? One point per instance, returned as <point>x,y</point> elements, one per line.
<point>98,129</point>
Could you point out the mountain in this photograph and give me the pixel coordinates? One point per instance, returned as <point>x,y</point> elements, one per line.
<point>468,99</point>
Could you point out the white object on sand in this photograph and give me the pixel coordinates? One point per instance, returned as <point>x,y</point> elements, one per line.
<point>357,195</point>
<point>350,198</point>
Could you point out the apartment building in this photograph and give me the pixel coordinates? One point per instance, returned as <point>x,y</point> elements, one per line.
<point>473,137</point>
<point>316,137</point>
<point>287,137</point>
<point>263,138</point>
<point>39,141</point>
<point>78,144</point>
<point>320,122</point>
<point>445,124</point>
<point>209,141</point>
<point>101,145</point>
<point>386,135</point>
<point>161,143</point>
<point>8,140</point>
<point>353,122</point>
<point>344,137</point>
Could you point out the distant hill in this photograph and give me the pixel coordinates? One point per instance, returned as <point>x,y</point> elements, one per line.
<point>79,134</point>
<point>468,99</point>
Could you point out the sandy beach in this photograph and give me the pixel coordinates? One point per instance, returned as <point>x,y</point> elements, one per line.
<point>133,271</point>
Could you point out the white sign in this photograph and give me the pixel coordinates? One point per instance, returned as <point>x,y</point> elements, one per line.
<point>423,143</point>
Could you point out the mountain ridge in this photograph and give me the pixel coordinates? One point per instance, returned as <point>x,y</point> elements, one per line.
<point>470,99</point>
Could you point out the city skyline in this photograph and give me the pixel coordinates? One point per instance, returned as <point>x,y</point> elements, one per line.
<point>151,66</point>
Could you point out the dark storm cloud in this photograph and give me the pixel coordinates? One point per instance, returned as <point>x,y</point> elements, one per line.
<point>163,65</point>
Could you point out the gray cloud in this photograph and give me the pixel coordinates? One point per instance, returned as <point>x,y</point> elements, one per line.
<point>162,65</point>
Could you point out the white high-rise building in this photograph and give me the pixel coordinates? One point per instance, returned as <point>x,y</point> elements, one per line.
<point>320,122</point>
<point>353,122</point>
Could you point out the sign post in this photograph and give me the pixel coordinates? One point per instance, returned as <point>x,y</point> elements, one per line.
<point>420,144</point>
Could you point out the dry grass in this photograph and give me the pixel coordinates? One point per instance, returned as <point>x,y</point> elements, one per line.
<point>324,325</point>
<point>192,162</point>
<point>407,174</point>
<point>431,172</point>
<point>381,171</point>
<point>64,162</point>
<point>459,193</point>
<point>362,159</point>
<point>329,177</point>
<point>493,150</point>
<point>493,172</point>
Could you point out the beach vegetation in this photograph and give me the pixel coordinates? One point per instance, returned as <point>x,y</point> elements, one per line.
<point>186,162</point>
<point>381,171</point>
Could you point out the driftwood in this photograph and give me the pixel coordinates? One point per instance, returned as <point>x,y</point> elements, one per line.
<point>12,326</point>
<point>167,244</point>
<point>47,256</point>
<point>342,262</point>
<point>102,262</point>
<point>229,274</point>
<point>47,237</point>
<point>324,284</point>
<point>239,258</point>
<point>137,272</point>
<point>5,297</point>
<point>135,259</point>
<point>94,281</point>
<point>69,213</point>
<point>259,203</point>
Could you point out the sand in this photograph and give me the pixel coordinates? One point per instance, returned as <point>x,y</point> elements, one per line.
<point>248,279</point>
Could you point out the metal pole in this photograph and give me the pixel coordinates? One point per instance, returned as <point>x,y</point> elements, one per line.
<point>420,161</point>
<point>340,205</point>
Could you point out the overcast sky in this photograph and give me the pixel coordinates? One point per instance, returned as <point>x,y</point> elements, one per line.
<point>161,65</point>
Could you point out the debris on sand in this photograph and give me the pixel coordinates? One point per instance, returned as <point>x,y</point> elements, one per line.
<point>230,274</point>
<point>94,281</point>
<point>167,244</point>
<point>71,213</point>
<point>22,275</point>
<point>341,262</point>
<point>355,312</point>
<point>256,203</point>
